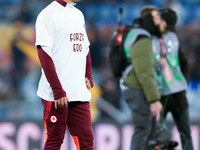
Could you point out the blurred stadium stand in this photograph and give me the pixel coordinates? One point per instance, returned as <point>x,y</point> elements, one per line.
<point>18,98</point>
<point>17,18</point>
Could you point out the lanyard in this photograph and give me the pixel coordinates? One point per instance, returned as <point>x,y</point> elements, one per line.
<point>163,50</point>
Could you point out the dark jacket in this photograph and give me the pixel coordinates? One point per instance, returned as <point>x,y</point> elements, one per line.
<point>141,54</point>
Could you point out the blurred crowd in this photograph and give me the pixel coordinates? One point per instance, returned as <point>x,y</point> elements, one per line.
<point>19,71</point>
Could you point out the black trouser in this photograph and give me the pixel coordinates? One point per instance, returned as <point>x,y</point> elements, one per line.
<point>181,119</point>
<point>143,120</point>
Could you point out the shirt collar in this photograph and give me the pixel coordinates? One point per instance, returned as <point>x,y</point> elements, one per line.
<point>61,2</point>
<point>65,4</point>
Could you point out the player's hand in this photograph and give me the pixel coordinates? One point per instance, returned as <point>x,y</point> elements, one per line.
<point>88,84</point>
<point>62,102</point>
<point>156,108</point>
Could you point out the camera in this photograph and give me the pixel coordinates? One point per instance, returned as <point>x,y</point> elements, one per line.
<point>156,144</point>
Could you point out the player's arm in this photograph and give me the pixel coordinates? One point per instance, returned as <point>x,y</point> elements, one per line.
<point>88,69</point>
<point>88,72</point>
<point>45,30</point>
<point>52,77</point>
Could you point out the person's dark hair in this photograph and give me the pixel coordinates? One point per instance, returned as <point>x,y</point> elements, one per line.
<point>170,17</point>
<point>146,22</point>
<point>147,10</point>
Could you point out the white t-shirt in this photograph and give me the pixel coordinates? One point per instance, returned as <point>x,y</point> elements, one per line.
<point>62,30</point>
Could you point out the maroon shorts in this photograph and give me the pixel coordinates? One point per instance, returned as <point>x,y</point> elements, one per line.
<point>76,117</point>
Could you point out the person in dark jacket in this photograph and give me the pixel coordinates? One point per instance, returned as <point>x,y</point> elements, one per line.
<point>138,85</point>
<point>176,102</point>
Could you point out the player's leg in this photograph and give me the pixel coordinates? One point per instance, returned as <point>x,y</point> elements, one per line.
<point>79,125</point>
<point>181,119</point>
<point>55,121</point>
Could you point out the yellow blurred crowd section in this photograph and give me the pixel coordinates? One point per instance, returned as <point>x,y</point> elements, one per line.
<point>24,36</point>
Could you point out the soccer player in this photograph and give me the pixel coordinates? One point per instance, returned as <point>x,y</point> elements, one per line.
<point>63,50</point>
